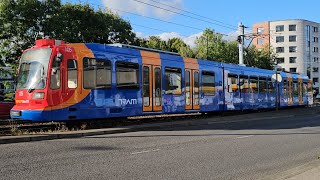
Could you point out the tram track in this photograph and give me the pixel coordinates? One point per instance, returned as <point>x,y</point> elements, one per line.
<point>19,127</point>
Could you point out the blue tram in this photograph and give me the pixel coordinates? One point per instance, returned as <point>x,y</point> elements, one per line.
<point>61,82</point>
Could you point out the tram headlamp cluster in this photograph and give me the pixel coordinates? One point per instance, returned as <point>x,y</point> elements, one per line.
<point>38,95</point>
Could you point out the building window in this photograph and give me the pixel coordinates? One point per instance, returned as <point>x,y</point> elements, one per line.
<point>293,70</point>
<point>315,80</point>
<point>279,49</point>
<point>315,59</point>
<point>208,83</point>
<point>280,60</point>
<point>315,39</point>
<point>173,81</point>
<point>127,75</point>
<point>96,73</point>
<point>292,59</point>
<point>280,39</point>
<point>292,38</point>
<point>308,38</point>
<point>279,28</point>
<point>292,49</point>
<point>260,30</point>
<point>292,27</point>
<point>260,41</point>
<point>315,49</point>
<point>315,69</point>
<point>315,29</point>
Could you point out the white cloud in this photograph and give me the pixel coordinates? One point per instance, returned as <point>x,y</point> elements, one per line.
<point>144,9</point>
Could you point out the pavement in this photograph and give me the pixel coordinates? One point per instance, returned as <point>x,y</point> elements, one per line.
<point>308,171</point>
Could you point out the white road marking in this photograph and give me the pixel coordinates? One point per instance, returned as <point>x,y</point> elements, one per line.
<point>141,152</point>
<point>242,137</point>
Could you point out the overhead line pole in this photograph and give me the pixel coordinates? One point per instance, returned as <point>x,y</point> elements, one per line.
<point>241,43</point>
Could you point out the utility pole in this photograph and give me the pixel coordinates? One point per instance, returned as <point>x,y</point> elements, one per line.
<point>241,43</point>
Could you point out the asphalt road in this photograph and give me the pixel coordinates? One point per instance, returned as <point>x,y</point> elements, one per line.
<point>240,150</point>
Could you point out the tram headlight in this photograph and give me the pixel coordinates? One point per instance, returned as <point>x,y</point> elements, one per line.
<point>38,95</point>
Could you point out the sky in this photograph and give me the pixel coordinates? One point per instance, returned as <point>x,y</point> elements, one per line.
<point>196,15</point>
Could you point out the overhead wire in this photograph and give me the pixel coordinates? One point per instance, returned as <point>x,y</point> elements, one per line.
<point>147,27</point>
<point>193,13</point>
<point>182,14</point>
<point>182,25</point>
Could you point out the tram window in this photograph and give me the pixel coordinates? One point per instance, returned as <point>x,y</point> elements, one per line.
<point>262,85</point>
<point>187,88</point>
<point>173,81</point>
<point>196,96</point>
<point>309,89</point>
<point>96,73</point>
<point>146,86</point>
<point>244,84</point>
<point>305,88</point>
<point>285,87</point>
<point>271,87</point>
<point>72,74</point>
<point>295,88</point>
<point>300,88</point>
<point>253,84</point>
<point>157,86</point>
<point>55,75</point>
<point>208,83</point>
<point>127,75</point>
<point>233,85</point>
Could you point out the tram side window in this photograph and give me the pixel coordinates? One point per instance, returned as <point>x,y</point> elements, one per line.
<point>309,88</point>
<point>208,83</point>
<point>295,88</point>
<point>271,87</point>
<point>55,80</point>
<point>253,84</point>
<point>263,85</point>
<point>305,88</point>
<point>72,74</point>
<point>300,88</point>
<point>173,81</point>
<point>187,86</point>
<point>127,75</point>
<point>233,84</point>
<point>244,84</point>
<point>285,87</point>
<point>96,73</point>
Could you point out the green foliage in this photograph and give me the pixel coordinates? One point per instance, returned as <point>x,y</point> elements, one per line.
<point>212,46</point>
<point>22,21</point>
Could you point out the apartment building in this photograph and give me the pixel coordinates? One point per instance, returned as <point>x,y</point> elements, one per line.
<point>295,42</point>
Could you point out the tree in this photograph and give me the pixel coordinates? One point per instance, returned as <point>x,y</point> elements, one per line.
<point>262,58</point>
<point>23,21</point>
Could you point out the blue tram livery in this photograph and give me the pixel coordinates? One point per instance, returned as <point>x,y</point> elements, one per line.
<point>60,82</point>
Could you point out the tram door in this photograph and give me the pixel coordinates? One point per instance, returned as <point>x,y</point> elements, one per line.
<point>152,90</point>
<point>290,90</point>
<point>192,98</point>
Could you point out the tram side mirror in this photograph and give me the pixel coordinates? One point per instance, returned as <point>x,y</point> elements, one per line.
<point>58,58</point>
